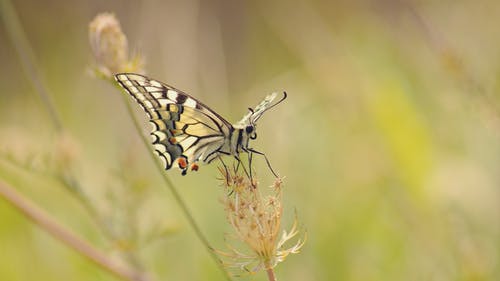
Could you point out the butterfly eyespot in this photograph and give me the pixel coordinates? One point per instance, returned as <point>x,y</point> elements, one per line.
<point>182,163</point>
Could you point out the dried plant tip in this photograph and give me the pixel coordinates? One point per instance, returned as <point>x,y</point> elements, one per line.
<point>256,221</point>
<point>110,48</point>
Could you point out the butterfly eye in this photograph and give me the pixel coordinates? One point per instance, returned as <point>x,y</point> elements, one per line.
<point>249,129</point>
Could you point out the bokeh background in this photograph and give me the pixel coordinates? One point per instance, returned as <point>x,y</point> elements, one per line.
<point>389,140</point>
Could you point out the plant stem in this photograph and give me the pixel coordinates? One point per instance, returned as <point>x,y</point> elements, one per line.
<point>58,231</point>
<point>270,274</point>
<point>28,62</point>
<point>27,58</point>
<point>177,196</point>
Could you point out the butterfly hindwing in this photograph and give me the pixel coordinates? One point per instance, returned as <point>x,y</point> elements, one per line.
<point>184,130</point>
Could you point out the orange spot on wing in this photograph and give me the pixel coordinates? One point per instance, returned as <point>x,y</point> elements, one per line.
<point>172,140</point>
<point>194,167</point>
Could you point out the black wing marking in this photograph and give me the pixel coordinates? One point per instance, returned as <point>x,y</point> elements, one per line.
<point>184,129</point>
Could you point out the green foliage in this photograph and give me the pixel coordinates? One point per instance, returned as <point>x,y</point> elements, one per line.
<point>388,142</point>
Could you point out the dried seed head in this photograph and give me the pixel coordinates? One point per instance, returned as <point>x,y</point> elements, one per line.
<point>110,48</point>
<point>256,221</point>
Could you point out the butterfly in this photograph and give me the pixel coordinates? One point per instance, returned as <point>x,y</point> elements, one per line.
<point>185,131</point>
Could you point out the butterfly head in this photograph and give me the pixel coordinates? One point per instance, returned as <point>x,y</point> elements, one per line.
<point>251,132</point>
<point>247,132</point>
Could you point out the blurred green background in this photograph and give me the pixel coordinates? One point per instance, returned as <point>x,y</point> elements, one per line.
<point>389,140</point>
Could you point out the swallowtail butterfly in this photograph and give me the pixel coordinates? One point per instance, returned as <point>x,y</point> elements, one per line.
<point>185,131</point>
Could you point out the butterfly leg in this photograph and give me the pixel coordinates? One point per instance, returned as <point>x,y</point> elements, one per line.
<point>225,169</point>
<point>245,170</point>
<point>240,163</point>
<point>237,165</point>
<point>229,181</point>
<point>267,160</point>
<point>250,156</point>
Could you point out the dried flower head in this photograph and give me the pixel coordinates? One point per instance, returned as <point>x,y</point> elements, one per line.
<point>256,220</point>
<point>110,48</point>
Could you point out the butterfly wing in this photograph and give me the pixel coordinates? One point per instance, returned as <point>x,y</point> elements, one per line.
<point>184,130</point>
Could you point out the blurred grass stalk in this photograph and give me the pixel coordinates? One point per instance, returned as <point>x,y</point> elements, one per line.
<point>58,231</point>
<point>28,62</point>
<point>110,48</point>
<point>27,58</point>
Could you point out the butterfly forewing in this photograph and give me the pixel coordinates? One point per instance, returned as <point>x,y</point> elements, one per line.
<point>184,130</point>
